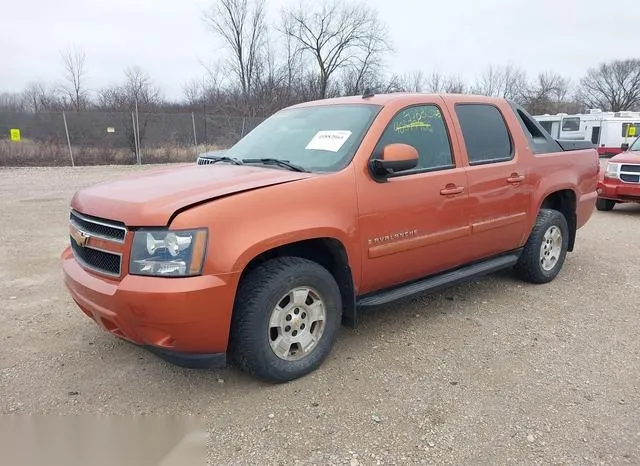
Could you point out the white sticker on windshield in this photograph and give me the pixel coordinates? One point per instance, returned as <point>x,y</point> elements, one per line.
<point>328,140</point>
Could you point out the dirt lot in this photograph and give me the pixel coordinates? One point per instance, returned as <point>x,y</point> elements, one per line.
<point>495,371</point>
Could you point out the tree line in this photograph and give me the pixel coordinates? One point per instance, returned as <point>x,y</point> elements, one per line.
<point>312,51</point>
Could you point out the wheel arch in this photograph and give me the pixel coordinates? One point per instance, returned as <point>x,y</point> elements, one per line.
<point>563,200</point>
<point>327,251</point>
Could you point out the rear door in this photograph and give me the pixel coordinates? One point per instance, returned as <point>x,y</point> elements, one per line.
<point>499,190</point>
<point>414,224</point>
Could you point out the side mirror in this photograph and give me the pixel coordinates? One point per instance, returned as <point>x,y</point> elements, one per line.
<point>624,146</point>
<point>395,158</point>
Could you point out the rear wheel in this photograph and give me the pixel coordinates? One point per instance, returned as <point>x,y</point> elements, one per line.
<point>286,319</point>
<point>545,251</point>
<point>605,204</point>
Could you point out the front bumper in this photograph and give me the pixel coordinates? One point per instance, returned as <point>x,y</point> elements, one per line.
<point>618,190</point>
<point>183,320</point>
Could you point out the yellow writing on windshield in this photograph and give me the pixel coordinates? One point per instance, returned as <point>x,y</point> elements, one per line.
<point>416,119</point>
<point>414,125</point>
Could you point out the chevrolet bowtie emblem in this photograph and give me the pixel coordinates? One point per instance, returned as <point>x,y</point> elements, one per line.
<point>80,238</point>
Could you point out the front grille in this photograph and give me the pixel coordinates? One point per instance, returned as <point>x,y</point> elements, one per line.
<point>627,178</point>
<point>105,229</point>
<point>205,161</point>
<point>98,260</point>
<point>630,168</point>
<point>94,259</point>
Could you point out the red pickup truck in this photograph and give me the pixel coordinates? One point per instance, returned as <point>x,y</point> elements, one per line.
<point>258,254</point>
<point>619,183</point>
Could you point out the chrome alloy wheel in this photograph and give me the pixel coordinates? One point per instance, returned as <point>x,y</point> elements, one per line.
<point>551,248</point>
<point>296,324</point>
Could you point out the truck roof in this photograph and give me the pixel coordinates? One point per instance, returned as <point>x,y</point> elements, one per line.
<point>402,98</point>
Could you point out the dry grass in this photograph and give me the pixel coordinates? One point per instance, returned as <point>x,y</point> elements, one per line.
<point>29,153</point>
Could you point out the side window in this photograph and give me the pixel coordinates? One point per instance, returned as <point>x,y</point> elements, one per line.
<point>540,141</point>
<point>571,124</point>
<point>422,127</point>
<point>630,130</point>
<point>485,133</point>
<point>547,125</point>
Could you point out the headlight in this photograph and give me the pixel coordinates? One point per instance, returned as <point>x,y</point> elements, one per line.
<point>612,170</point>
<point>168,253</point>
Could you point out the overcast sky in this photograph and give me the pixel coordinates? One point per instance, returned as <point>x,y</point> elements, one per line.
<point>169,39</point>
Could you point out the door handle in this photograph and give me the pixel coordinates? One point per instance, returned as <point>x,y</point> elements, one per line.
<point>515,178</point>
<point>452,189</point>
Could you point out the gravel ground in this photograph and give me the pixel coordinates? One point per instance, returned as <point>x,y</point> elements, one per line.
<point>492,372</point>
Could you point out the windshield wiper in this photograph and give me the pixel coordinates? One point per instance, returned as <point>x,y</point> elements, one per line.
<point>281,163</point>
<point>224,159</point>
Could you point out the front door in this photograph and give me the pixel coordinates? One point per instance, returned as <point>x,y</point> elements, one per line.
<point>415,223</point>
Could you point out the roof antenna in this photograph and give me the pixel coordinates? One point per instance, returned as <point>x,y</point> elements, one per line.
<point>368,93</point>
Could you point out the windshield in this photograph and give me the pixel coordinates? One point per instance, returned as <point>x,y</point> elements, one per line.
<point>636,145</point>
<point>318,138</point>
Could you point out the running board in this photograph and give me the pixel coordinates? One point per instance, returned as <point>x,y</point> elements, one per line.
<point>437,282</point>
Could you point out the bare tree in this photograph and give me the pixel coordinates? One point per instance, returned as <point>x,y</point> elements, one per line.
<point>74,63</point>
<point>455,85</point>
<point>547,94</point>
<point>338,35</point>
<point>295,67</point>
<point>12,102</point>
<point>242,26</point>
<point>407,82</point>
<point>508,82</point>
<point>612,86</point>
<point>441,84</point>
<point>214,80</point>
<point>436,82</point>
<point>137,88</point>
<point>40,97</point>
<point>110,98</point>
<point>194,92</point>
<point>367,67</point>
<point>34,96</point>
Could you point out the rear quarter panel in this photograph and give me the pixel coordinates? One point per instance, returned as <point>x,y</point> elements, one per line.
<point>573,170</point>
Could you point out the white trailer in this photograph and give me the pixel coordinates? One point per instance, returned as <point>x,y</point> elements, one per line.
<point>611,132</point>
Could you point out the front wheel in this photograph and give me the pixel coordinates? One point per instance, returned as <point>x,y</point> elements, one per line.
<point>545,251</point>
<point>286,318</point>
<point>605,204</point>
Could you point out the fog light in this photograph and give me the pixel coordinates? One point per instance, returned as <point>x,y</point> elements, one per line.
<point>599,191</point>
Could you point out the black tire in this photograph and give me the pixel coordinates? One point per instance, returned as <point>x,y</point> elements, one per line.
<point>258,294</point>
<point>529,267</point>
<point>605,204</point>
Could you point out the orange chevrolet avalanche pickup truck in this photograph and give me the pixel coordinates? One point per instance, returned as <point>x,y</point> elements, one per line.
<point>328,207</point>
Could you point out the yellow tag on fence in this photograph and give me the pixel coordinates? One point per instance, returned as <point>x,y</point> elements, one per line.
<point>14,134</point>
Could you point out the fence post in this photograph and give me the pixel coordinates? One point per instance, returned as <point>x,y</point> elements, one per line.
<point>135,137</point>
<point>66,130</point>
<point>242,132</point>
<point>204,113</point>
<point>138,133</point>
<point>195,137</point>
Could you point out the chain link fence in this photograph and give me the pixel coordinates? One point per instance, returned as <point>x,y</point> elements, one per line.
<point>100,138</point>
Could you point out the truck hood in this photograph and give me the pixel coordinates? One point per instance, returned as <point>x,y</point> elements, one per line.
<point>151,197</point>
<point>626,157</point>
